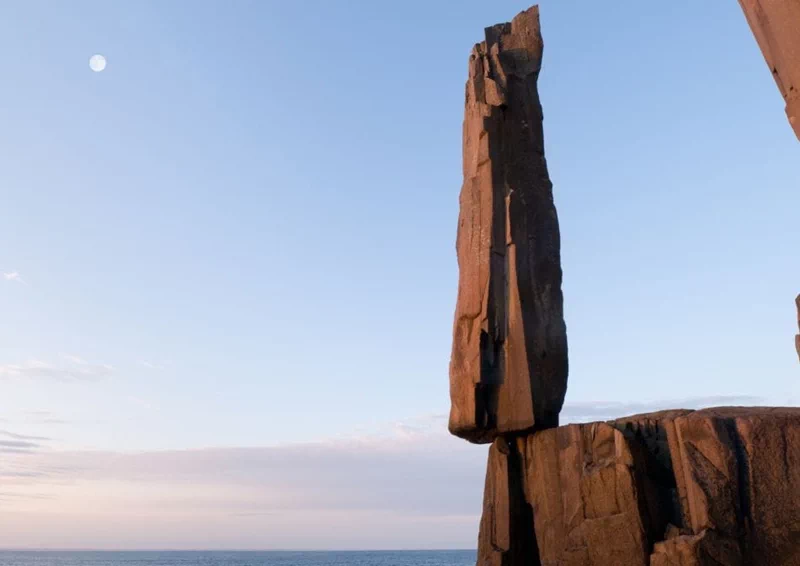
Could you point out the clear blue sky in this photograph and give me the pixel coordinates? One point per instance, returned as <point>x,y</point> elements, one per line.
<point>242,232</point>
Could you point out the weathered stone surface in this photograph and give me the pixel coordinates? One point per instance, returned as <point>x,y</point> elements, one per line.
<point>705,549</point>
<point>506,531</point>
<point>581,500</point>
<point>684,488</point>
<point>653,441</point>
<point>508,370</point>
<point>586,499</point>
<point>776,25</point>
<point>741,478</point>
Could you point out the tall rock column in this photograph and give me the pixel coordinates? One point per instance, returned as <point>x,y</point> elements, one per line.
<point>508,371</point>
<point>776,25</point>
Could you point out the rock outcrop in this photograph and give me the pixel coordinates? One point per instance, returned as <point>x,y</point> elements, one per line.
<point>508,370</point>
<point>717,487</point>
<point>776,25</point>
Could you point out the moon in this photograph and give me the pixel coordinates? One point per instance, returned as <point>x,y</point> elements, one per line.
<point>97,63</point>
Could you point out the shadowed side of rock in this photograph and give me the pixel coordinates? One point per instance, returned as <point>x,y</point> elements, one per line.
<point>508,370</point>
<point>506,533</point>
<point>717,487</point>
<point>776,25</point>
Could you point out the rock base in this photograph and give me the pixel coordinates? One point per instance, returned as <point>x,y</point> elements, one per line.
<point>714,487</point>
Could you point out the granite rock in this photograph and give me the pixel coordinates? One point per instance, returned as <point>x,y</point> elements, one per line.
<point>776,25</point>
<point>508,369</point>
<point>717,486</point>
<point>705,549</point>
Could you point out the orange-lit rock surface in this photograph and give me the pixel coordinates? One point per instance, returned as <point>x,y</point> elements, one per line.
<point>776,25</point>
<point>716,487</point>
<point>508,370</point>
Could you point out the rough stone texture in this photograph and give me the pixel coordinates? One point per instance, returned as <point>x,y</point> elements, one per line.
<point>508,370</point>
<point>705,549</point>
<point>506,529</point>
<point>776,25</point>
<point>797,336</point>
<point>741,478</point>
<point>586,499</point>
<point>716,487</point>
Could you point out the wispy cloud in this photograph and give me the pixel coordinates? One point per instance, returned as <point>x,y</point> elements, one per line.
<point>13,276</point>
<point>72,368</point>
<point>39,416</point>
<point>8,496</point>
<point>16,436</point>
<point>17,446</point>
<point>152,365</point>
<point>15,443</point>
<point>403,484</point>
<point>372,490</point>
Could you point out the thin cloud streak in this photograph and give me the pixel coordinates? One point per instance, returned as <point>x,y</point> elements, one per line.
<point>373,490</point>
<point>45,417</point>
<point>13,276</point>
<point>609,410</point>
<point>16,436</point>
<point>75,369</point>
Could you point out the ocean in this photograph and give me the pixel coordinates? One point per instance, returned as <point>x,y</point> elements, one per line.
<point>272,558</point>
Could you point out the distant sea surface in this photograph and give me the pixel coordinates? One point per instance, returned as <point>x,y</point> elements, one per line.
<point>366,558</point>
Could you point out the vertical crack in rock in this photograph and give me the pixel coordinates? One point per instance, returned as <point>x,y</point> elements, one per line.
<point>507,536</point>
<point>744,484</point>
<point>508,370</point>
<point>605,493</point>
<point>649,438</point>
<point>742,481</point>
<point>776,26</point>
<point>524,548</point>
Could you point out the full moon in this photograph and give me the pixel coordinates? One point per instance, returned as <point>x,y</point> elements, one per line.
<point>97,63</point>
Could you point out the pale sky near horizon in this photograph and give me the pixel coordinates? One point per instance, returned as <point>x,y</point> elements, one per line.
<point>229,263</point>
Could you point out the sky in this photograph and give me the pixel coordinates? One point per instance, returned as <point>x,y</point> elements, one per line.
<point>229,269</point>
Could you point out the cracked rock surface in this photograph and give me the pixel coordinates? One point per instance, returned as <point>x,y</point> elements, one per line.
<point>714,487</point>
<point>508,369</point>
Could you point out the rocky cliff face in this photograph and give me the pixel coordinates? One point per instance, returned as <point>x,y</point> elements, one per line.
<point>718,487</point>
<point>508,371</point>
<point>776,25</point>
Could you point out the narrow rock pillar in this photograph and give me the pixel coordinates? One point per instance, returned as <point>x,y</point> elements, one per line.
<point>508,370</point>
